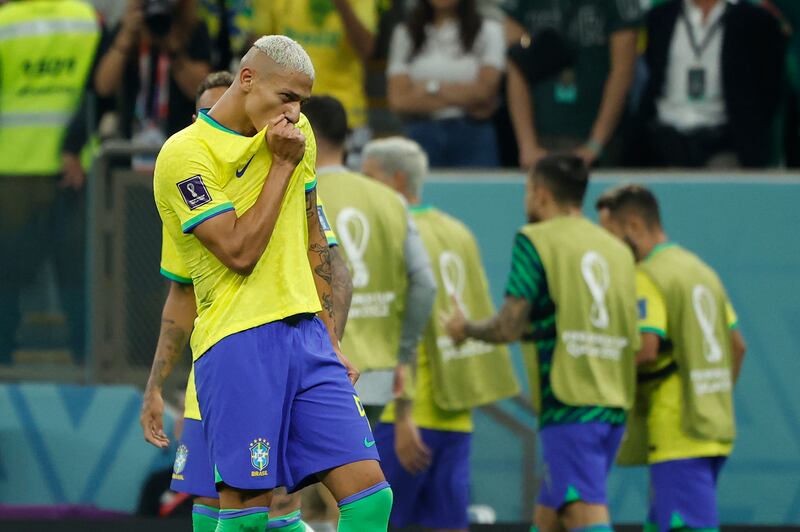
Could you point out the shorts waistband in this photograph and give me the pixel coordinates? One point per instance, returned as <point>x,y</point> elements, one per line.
<point>297,318</point>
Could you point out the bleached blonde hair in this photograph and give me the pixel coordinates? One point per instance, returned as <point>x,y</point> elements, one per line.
<point>286,52</point>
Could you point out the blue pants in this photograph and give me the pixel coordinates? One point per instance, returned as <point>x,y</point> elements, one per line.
<point>456,142</point>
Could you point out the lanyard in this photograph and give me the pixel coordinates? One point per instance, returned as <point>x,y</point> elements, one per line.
<point>698,49</point>
<point>151,107</point>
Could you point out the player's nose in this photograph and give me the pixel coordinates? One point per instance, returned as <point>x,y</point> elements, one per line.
<point>292,112</point>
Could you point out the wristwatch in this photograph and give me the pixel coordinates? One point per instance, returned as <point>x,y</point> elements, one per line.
<point>432,87</point>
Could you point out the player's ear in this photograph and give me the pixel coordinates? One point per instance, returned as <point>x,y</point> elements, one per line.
<point>246,77</point>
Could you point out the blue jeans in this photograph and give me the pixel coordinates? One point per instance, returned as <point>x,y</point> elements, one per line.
<point>456,142</point>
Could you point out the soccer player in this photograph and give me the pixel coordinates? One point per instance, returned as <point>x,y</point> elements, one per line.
<point>193,473</point>
<point>450,381</point>
<point>272,384</point>
<point>393,283</point>
<point>570,291</point>
<point>691,355</point>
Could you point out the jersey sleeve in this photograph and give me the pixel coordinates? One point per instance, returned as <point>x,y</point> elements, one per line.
<point>172,265</point>
<point>309,163</point>
<point>652,309</point>
<point>186,183</point>
<point>330,235</point>
<point>527,278</point>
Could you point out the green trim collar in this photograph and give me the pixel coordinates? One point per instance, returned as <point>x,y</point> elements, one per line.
<point>205,117</point>
<point>416,209</point>
<point>659,248</point>
<point>174,277</point>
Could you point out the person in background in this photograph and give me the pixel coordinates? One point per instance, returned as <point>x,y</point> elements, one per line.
<point>43,78</point>
<point>445,65</point>
<point>570,291</point>
<point>159,55</point>
<point>571,68</point>
<point>692,351</point>
<point>230,26</point>
<point>451,380</point>
<point>393,283</point>
<point>339,35</point>
<point>716,81</point>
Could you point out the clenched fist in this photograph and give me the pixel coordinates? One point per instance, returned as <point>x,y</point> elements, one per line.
<point>286,142</point>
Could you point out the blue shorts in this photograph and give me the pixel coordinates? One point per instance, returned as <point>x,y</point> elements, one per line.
<point>439,496</point>
<point>278,408</point>
<point>577,460</point>
<point>684,493</point>
<point>192,472</point>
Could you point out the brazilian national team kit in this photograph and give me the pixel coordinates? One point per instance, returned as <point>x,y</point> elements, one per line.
<point>275,402</point>
<point>579,350</point>
<point>685,428</point>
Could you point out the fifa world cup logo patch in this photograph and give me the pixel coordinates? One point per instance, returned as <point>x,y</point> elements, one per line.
<point>180,462</point>
<point>352,228</point>
<point>259,457</point>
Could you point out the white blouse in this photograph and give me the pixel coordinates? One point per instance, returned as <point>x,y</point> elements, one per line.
<point>442,57</point>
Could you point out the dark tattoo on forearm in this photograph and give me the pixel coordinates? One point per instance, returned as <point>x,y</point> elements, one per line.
<point>171,342</point>
<point>506,326</point>
<point>323,269</point>
<point>342,286</point>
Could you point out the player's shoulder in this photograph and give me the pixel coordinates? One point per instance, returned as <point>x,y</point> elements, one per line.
<point>451,224</point>
<point>187,145</point>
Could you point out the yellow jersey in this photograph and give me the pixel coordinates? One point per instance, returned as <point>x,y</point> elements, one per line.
<point>318,27</point>
<point>207,169</point>
<point>667,441</point>
<point>426,412</point>
<point>173,268</point>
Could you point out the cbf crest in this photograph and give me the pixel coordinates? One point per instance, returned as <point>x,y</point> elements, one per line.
<point>259,457</point>
<point>180,460</point>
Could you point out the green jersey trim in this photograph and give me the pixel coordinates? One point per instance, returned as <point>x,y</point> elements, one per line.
<point>654,330</point>
<point>659,248</point>
<point>174,277</point>
<point>187,226</point>
<point>417,209</point>
<point>205,117</point>
<point>311,185</point>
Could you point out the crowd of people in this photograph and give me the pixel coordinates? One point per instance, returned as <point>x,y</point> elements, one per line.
<point>383,417</point>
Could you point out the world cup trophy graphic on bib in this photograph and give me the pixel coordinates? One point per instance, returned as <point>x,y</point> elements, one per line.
<point>353,230</point>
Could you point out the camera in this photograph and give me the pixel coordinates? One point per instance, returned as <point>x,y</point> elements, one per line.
<point>158,16</point>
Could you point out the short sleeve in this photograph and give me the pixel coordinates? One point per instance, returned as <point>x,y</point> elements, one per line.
<point>308,165</point>
<point>330,235</point>
<point>185,183</point>
<point>652,309</point>
<point>399,52</point>
<point>730,316</point>
<point>624,15</point>
<point>527,272</point>
<point>172,265</point>
<point>491,45</point>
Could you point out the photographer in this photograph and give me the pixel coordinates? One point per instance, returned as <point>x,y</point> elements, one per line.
<point>159,55</point>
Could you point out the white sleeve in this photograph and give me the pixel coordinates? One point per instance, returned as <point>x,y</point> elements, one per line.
<point>399,52</point>
<point>491,45</point>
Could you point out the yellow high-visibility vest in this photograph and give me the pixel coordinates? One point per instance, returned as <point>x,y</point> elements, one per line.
<point>47,48</point>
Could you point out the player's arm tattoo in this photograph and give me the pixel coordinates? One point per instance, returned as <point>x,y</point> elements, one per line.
<point>174,334</point>
<point>506,326</point>
<point>342,290</point>
<point>319,255</point>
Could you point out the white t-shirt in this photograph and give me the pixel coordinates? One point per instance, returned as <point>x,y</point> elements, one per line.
<point>442,57</point>
<point>675,108</point>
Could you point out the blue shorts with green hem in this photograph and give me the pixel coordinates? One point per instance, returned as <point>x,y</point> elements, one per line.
<point>278,407</point>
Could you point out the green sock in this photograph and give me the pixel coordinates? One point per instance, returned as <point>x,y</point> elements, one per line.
<point>245,520</point>
<point>366,511</point>
<point>287,523</point>
<point>204,518</point>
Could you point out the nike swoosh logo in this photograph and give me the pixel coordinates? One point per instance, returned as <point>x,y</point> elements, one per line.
<point>240,173</point>
<point>368,443</point>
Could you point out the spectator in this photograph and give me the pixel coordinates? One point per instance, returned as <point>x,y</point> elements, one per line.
<point>716,71</point>
<point>159,55</point>
<point>339,35</point>
<point>229,24</point>
<point>43,77</point>
<point>570,74</point>
<point>444,71</point>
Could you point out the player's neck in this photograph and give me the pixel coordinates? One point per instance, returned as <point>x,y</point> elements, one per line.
<point>328,156</point>
<point>649,242</point>
<point>230,113</point>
